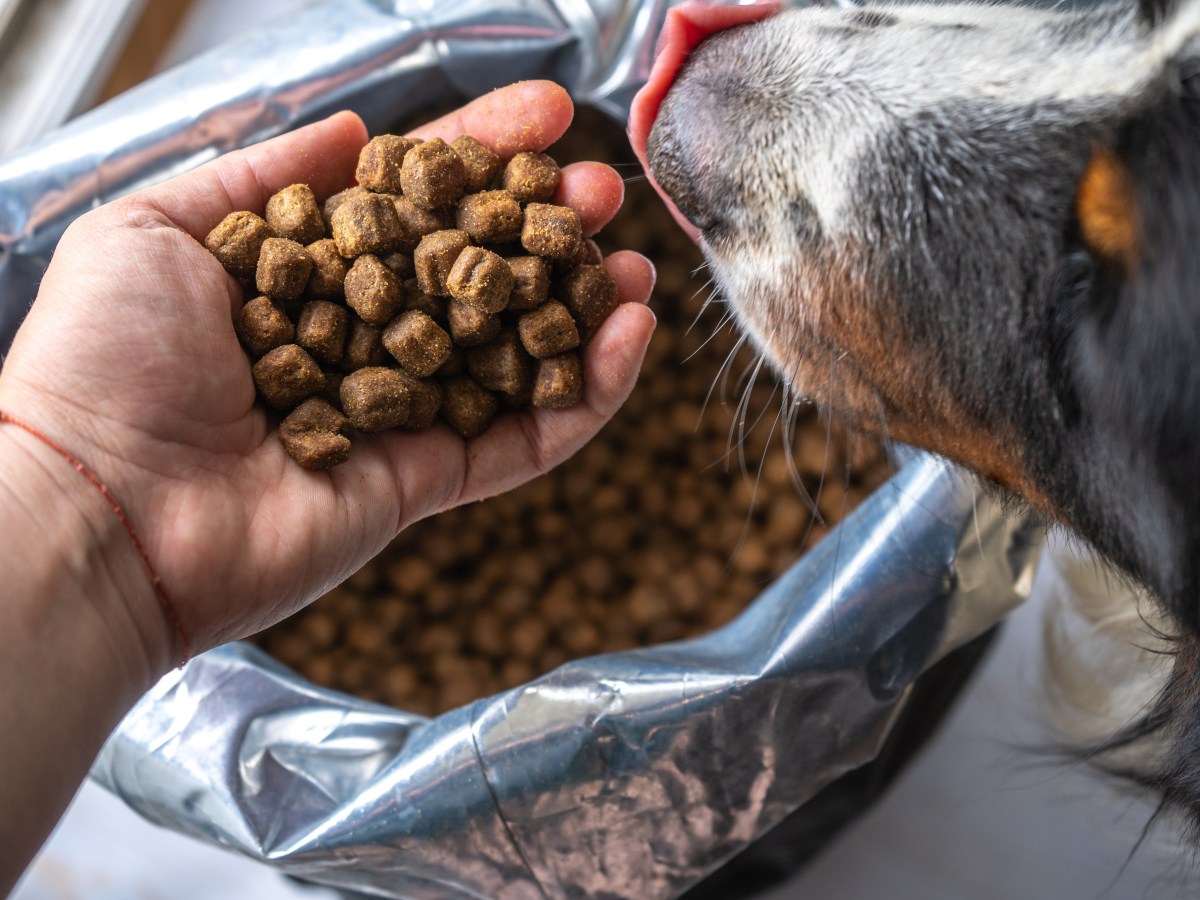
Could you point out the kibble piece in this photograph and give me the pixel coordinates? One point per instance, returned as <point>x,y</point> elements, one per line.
<point>589,253</point>
<point>287,375</point>
<point>373,291</point>
<point>490,217</point>
<point>328,272</point>
<point>364,346</point>
<point>331,393</point>
<point>551,231</point>
<point>466,407</point>
<point>531,282</point>
<point>418,343</point>
<point>283,269</point>
<point>435,256</point>
<point>532,177</point>
<point>262,326</point>
<point>548,330</point>
<point>375,399</point>
<point>559,382</point>
<point>590,293</point>
<point>415,298</point>
<point>471,326</point>
<point>455,364</point>
<point>365,223</point>
<point>293,213</point>
<point>333,202</point>
<point>401,264</point>
<point>425,399</point>
<point>433,175</point>
<point>481,278</point>
<point>236,242</point>
<point>415,222</point>
<point>502,365</point>
<point>481,164</point>
<point>380,161</point>
<point>321,330</point>
<point>313,434</point>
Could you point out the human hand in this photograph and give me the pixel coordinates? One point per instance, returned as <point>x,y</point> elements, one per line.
<point>129,359</point>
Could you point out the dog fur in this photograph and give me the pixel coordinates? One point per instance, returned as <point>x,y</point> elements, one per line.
<point>972,228</point>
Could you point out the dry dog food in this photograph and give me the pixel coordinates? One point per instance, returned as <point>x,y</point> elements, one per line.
<point>398,301</point>
<point>650,533</point>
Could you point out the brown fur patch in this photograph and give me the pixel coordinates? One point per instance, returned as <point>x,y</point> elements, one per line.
<point>1107,211</point>
<point>846,324</point>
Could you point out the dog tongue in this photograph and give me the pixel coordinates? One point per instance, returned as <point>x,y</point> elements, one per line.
<point>686,26</point>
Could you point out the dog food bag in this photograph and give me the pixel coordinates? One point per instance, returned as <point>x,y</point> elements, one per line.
<point>580,765</point>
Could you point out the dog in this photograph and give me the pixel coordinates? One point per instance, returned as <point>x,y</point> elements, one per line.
<point>970,228</point>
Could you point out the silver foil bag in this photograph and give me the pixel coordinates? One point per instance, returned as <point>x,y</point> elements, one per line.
<point>628,775</point>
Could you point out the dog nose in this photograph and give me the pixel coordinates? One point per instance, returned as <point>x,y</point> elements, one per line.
<point>667,153</point>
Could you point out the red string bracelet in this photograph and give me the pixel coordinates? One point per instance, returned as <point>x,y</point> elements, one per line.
<point>163,600</point>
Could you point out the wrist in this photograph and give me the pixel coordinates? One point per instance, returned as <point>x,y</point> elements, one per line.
<point>76,579</point>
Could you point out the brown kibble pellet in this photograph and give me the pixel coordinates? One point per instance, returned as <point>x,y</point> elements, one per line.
<point>415,298</point>
<point>331,393</point>
<point>590,293</point>
<point>373,290</point>
<point>328,278</point>
<point>548,330</point>
<point>480,163</point>
<point>293,213</point>
<point>237,241</point>
<point>433,175</point>
<point>417,342</point>
<point>471,326</point>
<point>380,161</point>
<point>287,375</point>
<point>490,217</point>
<point>321,330</point>
<point>502,365</point>
<point>481,278</point>
<point>531,282</point>
<point>532,177</point>
<point>455,364</point>
<point>365,223</point>
<point>415,222</point>
<point>466,407</point>
<point>364,345</point>
<point>375,399</point>
<point>313,434</point>
<point>333,202</point>
<point>559,382</point>
<point>551,231</point>
<point>283,269</point>
<point>435,256</point>
<point>262,326</point>
<point>401,265</point>
<point>425,400</point>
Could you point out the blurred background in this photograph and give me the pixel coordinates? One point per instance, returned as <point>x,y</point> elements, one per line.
<point>981,813</point>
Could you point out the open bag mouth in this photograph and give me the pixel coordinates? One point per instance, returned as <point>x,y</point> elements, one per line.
<point>686,26</point>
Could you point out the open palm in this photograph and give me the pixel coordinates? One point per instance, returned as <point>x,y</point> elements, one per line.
<point>129,358</point>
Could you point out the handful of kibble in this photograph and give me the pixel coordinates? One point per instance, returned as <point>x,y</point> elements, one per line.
<point>443,285</point>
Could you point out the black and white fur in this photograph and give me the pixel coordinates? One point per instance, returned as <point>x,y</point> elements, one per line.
<point>890,200</point>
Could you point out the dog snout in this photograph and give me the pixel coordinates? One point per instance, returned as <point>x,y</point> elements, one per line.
<point>669,157</point>
<point>672,152</point>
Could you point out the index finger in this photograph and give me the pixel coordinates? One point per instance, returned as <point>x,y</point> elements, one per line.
<point>528,115</point>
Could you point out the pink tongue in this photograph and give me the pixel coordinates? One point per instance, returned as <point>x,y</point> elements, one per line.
<point>686,26</point>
